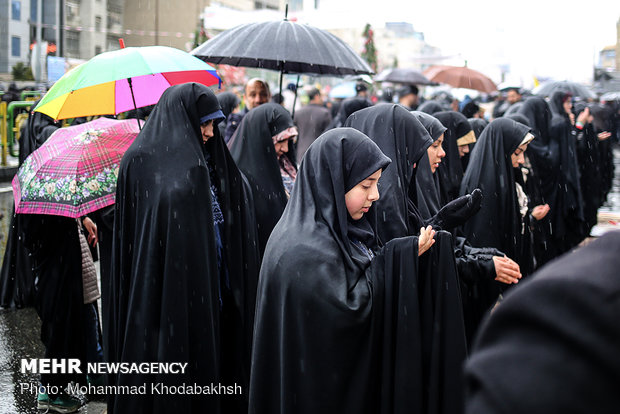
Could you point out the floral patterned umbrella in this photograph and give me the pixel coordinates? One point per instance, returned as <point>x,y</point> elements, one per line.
<point>75,171</point>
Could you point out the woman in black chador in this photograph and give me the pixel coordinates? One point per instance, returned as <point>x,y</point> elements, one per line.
<point>503,220</point>
<point>184,267</point>
<point>16,277</point>
<point>342,325</point>
<point>567,214</point>
<point>260,147</point>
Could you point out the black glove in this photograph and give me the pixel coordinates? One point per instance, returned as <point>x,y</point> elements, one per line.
<point>458,211</point>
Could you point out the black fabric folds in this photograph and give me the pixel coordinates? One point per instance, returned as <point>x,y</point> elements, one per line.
<point>253,151</point>
<point>58,298</point>
<point>428,201</point>
<point>228,101</point>
<point>450,171</point>
<point>551,346</point>
<point>404,139</point>
<point>16,277</point>
<point>477,125</point>
<point>568,221</point>
<point>387,340</point>
<point>347,107</point>
<point>171,299</point>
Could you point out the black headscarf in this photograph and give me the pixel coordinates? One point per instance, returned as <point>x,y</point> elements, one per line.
<point>405,140</point>
<point>171,299</point>
<point>427,182</point>
<point>337,333</point>
<point>477,125</point>
<point>431,107</point>
<point>347,107</point>
<point>498,223</point>
<point>450,171</point>
<point>253,150</point>
<point>228,101</point>
<point>551,346</point>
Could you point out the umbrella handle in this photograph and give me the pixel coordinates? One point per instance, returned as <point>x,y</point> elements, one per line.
<point>134,103</point>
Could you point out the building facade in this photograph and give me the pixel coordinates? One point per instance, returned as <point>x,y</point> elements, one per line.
<point>14,33</point>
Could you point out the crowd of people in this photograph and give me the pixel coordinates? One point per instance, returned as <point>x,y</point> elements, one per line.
<point>341,260</point>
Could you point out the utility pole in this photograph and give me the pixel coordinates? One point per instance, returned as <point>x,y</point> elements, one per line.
<point>157,22</point>
<point>58,29</point>
<point>37,50</point>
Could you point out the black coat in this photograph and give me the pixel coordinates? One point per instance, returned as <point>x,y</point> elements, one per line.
<point>337,332</point>
<point>172,299</point>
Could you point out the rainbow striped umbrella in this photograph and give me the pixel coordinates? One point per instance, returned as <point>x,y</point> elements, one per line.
<point>121,80</point>
<point>75,171</point>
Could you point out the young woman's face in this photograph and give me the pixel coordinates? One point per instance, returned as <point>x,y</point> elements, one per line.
<point>517,157</point>
<point>463,149</point>
<point>568,106</point>
<point>360,198</point>
<point>206,129</point>
<point>435,153</point>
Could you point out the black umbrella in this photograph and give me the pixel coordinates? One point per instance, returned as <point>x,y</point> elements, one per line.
<point>576,89</point>
<point>285,46</point>
<point>407,76</point>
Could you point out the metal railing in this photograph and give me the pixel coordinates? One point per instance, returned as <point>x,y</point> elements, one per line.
<point>10,124</point>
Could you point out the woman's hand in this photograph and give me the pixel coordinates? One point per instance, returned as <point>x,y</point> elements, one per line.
<point>583,116</point>
<point>603,135</point>
<point>539,212</point>
<point>425,240</point>
<point>91,227</point>
<point>507,270</point>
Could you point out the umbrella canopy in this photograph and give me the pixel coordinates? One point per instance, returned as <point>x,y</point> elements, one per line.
<point>610,96</point>
<point>576,89</point>
<point>460,77</point>
<point>75,171</point>
<point>101,86</point>
<point>401,75</point>
<point>284,46</point>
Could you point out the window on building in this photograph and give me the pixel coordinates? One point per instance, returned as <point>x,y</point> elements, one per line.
<point>98,23</point>
<point>16,45</point>
<point>72,45</point>
<point>16,9</point>
<point>97,50</point>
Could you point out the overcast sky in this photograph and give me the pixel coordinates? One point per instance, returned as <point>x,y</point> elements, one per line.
<point>558,39</point>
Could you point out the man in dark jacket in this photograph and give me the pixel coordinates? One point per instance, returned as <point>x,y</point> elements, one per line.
<point>311,121</point>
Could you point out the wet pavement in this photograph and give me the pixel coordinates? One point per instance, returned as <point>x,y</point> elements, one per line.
<point>19,329</point>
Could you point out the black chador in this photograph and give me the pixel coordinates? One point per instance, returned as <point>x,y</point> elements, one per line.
<point>184,259</point>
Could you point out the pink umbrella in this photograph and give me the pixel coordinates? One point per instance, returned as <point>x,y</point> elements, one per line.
<point>75,171</point>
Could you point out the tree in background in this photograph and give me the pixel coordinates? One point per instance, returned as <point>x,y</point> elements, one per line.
<point>22,72</point>
<point>200,37</point>
<point>369,53</point>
